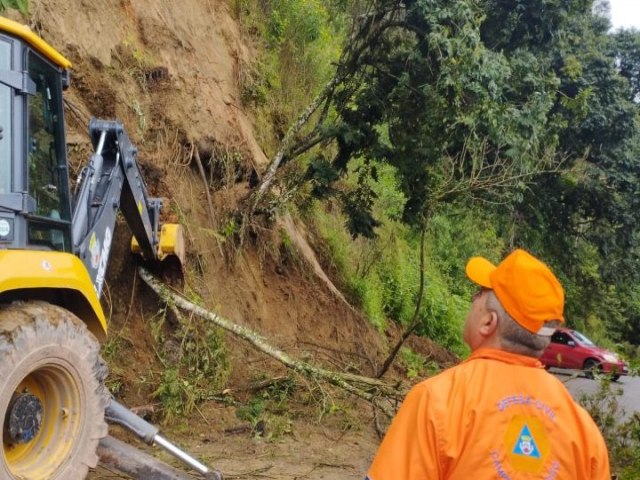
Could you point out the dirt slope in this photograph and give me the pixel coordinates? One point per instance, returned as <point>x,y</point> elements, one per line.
<point>170,72</point>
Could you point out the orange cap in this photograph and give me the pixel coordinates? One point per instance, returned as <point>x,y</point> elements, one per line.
<point>527,289</point>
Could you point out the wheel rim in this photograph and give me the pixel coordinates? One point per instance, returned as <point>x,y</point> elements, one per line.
<point>60,397</point>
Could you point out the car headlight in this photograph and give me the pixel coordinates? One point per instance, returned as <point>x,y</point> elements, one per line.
<point>610,357</point>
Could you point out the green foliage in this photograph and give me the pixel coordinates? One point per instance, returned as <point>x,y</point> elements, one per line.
<point>439,106</point>
<point>584,222</point>
<point>626,50</point>
<point>416,366</point>
<point>631,353</point>
<point>357,204</point>
<point>177,395</point>
<point>268,412</point>
<point>21,5</point>
<point>296,22</point>
<point>252,412</point>
<point>496,124</point>
<point>195,360</point>
<point>299,39</point>
<point>621,434</point>
<point>110,350</point>
<point>229,229</point>
<point>382,274</point>
<point>457,233</point>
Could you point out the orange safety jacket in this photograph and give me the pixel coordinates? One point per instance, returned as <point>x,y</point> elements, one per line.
<point>497,415</point>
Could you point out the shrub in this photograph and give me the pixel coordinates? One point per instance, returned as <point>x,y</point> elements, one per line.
<point>195,361</point>
<point>621,432</point>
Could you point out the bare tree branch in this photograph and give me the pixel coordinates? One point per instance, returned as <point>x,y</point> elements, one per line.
<point>369,27</point>
<point>496,178</point>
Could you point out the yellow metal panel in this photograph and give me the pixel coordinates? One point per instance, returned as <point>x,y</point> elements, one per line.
<point>24,32</point>
<point>24,269</point>
<point>171,242</point>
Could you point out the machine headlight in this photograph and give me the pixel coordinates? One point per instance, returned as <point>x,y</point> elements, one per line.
<point>610,357</point>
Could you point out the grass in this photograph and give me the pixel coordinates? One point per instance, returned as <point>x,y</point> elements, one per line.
<point>382,275</point>
<point>298,42</point>
<point>21,5</point>
<point>268,410</point>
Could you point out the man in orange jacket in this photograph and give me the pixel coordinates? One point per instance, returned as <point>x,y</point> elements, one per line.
<point>499,414</point>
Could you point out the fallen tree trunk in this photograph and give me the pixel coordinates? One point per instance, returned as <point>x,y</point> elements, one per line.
<point>371,389</point>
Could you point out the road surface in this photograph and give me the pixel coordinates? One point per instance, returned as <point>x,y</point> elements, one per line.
<point>578,385</point>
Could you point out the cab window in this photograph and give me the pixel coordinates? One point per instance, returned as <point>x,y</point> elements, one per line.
<point>46,162</point>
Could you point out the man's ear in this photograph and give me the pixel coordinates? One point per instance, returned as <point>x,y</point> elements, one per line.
<point>489,324</point>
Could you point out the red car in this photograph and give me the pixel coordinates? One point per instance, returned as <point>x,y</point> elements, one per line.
<point>571,349</point>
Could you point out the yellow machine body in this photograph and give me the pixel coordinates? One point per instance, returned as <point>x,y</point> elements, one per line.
<point>60,277</point>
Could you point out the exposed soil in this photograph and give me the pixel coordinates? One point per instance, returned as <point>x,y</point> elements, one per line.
<point>170,72</point>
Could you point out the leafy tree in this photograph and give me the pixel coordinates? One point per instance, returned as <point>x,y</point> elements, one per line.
<point>626,51</point>
<point>585,220</point>
<point>416,88</point>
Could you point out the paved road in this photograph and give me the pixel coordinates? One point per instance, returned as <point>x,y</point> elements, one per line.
<point>579,385</point>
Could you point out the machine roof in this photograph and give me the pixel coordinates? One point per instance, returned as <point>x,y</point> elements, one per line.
<point>24,33</point>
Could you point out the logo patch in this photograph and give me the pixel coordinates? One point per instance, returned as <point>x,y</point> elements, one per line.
<point>526,445</point>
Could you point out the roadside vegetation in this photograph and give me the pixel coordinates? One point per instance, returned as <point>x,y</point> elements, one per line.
<point>21,5</point>
<point>444,130</point>
<point>620,430</point>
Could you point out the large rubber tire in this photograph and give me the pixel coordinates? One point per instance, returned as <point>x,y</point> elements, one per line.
<point>48,352</point>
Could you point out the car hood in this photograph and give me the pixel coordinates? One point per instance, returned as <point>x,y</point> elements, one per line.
<point>604,351</point>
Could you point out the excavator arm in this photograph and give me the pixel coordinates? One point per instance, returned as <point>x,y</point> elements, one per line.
<point>112,182</point>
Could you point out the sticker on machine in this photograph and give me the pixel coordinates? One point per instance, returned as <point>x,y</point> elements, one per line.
<point>5,228</point>
<point>94,251</point>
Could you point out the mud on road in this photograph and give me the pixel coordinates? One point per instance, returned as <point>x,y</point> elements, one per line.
<point>309,453</point>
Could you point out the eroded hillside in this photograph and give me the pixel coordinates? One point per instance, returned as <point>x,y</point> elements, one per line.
<point>171,72</point>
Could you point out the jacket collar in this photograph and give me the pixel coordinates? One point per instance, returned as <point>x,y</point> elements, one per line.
<point>505,357</point>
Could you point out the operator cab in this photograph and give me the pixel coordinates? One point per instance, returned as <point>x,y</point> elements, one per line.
<point>35,207</point>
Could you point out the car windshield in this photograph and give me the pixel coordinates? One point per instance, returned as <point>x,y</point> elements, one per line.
<point>582,339</point>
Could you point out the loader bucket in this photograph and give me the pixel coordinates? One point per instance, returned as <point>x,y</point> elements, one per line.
<point>171,243</point>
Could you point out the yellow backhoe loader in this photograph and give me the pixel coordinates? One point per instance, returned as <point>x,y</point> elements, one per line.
<point>54,249</point>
